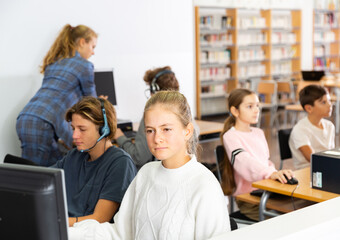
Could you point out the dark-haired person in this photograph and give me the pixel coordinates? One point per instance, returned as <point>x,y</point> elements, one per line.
<point>157,79</point>
<point>97,173</point>
<point>312,133</point>
<point>68,76</point>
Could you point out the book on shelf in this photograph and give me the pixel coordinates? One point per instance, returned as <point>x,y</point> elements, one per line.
<point>244,39</point>
<point>215,74</point>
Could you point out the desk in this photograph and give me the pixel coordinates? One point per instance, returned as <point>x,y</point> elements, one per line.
<point>320,221</point>
<point>208,130</point>
<point>303,191</point>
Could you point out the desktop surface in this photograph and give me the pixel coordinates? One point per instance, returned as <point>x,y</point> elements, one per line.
<point>303,190</point>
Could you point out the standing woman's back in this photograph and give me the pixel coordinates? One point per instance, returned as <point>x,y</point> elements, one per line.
<point>68,76</point>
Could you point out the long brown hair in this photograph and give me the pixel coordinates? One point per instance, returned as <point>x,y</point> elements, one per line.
<point>66,43</point>
<point>234,100</point>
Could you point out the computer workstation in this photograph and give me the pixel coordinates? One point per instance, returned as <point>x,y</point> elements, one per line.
<point>317,183</point>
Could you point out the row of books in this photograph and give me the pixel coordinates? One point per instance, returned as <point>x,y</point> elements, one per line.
<point>215,57</point>
<point>283,38</point>
<point>254,54</point>
<point>282,21</point>
<point>246,22</point>
<point>215,73</point>
<point>215,21</point>
<point>323,63</point>
<point>278,53</point>
<point>213,90</point>
<point>253,70</point>
<point>281,68</point>
<point>321,51</point>
<point>328,19</point>
<point>244,39</point>
<point>326,4</point>
<point>327,36</point>
<point>217,40</point>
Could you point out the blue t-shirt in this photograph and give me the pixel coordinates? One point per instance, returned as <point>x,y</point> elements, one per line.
<point>107,177</point>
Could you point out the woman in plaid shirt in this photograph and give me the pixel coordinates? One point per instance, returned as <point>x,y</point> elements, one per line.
<point>68,76</point>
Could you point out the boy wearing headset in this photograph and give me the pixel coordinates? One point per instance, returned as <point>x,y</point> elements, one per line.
<point>97,173</point>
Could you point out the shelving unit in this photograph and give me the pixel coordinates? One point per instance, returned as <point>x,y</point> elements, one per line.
<point>326,36</point>
<point>236,47</point>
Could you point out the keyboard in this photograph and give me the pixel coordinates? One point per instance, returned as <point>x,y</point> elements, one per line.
<point>130,134</point>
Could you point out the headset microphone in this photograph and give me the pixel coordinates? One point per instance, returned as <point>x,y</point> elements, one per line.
<point>104,130</point>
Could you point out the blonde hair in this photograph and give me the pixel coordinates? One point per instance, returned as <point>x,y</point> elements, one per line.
<point>177,104</point>
<point>90,108</point>
<point>66,43</point>
<point>234,100</point>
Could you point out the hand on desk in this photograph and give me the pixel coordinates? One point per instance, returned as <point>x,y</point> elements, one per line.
<point>279,175</point>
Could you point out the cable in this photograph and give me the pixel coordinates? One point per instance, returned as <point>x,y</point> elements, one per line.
<point>292,198</point>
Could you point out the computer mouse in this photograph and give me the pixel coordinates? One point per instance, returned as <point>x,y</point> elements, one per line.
<point>291,181</point>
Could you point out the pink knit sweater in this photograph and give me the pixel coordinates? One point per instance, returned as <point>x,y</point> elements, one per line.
<point>253,163</point>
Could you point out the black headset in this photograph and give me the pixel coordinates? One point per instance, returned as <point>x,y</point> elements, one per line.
<point>154,86</point>
<point>103,130</point>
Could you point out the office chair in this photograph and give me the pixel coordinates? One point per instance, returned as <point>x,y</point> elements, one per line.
<point>285,152</point>
<point>237,216</point>
<point>9,158</point>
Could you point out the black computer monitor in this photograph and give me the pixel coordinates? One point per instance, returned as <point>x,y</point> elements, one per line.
<point>32,203</point>
<point>312,75</point>
<point>104,80</point>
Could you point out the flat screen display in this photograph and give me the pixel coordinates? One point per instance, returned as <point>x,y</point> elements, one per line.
<point>105,85</point>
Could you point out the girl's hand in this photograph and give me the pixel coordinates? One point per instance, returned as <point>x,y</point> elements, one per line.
<point>279,175</point>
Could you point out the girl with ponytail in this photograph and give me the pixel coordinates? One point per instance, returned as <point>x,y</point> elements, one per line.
<point>68,76</point>
<point>247,153</point>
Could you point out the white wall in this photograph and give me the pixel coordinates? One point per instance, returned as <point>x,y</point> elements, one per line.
<point>134,35</point>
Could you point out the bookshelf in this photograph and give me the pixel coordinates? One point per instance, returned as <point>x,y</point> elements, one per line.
<point>326,36</point>
<point>236,47</point>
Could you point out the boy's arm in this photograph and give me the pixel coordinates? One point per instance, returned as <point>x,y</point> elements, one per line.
<point>306,151</point>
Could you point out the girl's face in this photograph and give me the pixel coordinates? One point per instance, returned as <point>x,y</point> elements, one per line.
<point>86,49</point>
<point>248,111</point>
<point>166,136</point>
<point>85,132</point>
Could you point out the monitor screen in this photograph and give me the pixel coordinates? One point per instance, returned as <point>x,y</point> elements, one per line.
<point>105,85</point>
<point>32,203</point>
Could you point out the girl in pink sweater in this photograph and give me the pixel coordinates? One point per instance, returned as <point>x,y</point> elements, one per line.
<point>247,158</point>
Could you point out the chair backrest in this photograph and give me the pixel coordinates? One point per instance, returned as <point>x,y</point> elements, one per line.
<point>285,92</point>
<point>283,137</point>
<point>302,84</point>
<point>269,89</point>
<point>219,153</point>
<point>18,160</point>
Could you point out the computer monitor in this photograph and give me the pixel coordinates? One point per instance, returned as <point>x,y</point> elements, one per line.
<point>105,85</point>
<point>32,203</point>
<point>312,75</point>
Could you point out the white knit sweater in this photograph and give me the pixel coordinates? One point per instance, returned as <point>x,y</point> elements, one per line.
<point>160,203</point>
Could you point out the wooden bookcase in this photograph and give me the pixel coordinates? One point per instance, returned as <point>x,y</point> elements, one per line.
<point>236,47</point>
<point>326,37</point>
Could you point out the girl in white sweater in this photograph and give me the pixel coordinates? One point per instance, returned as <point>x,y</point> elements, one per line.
<point>175,198</point>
